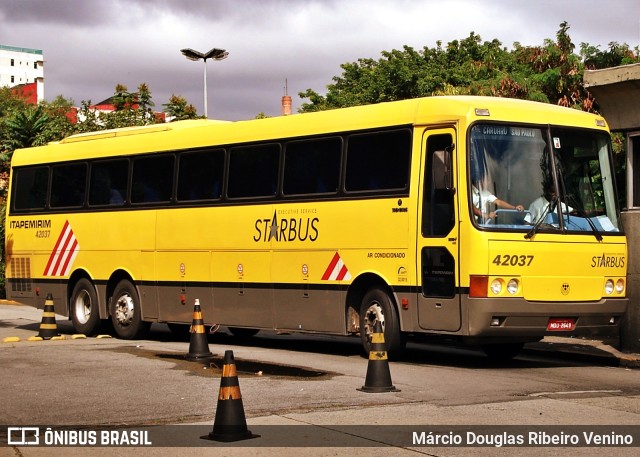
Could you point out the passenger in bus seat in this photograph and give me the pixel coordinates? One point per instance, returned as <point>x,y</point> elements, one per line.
<point>482,201</point>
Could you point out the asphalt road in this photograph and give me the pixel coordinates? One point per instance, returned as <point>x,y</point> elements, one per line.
<point>311,382</point>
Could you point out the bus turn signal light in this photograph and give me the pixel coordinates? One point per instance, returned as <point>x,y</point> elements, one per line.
<point>488,286</point>
<point>478,286</point>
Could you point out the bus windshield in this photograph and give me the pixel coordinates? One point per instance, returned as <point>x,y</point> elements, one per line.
<point>538,179</point>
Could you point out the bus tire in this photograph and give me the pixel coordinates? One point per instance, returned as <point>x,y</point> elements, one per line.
<point>126,314</point>
<point>503,351</point>
<point>378,306</point>
<point>83,308</point>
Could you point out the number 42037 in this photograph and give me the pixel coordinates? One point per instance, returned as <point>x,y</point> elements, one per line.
<point>508,260</point>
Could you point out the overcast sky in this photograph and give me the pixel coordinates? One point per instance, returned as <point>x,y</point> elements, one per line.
<point>91,45</point>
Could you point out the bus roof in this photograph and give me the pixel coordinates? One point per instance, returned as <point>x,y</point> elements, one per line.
<point>421,111</point>
<point>139,130</point>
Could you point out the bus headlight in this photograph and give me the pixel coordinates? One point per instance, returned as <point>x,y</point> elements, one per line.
<point>620,286</point>
<point>512,286</point>
<point>496,286</point>
<point>608,287</point>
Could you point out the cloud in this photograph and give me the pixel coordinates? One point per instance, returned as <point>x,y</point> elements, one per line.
<point>91,45</point>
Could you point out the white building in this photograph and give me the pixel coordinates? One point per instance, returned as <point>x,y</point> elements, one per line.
<point>22,66</point>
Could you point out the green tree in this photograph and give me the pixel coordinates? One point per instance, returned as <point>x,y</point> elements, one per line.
<point>471,66</point>
<point>179,109</point>
<point>24,125</point>
<point>25,128</point>
<point>556,71</point>
<point>88,120</point>
<point>131,108</point>
<point>10,102</point>
<point>144,103</point>
<point>59,123</point>
<point>615,55</point>
<point>550,73</point>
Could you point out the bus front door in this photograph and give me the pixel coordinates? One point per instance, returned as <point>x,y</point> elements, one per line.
<point>437,253</point>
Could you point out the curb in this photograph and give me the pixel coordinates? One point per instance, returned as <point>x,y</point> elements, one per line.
<point>4,301</point>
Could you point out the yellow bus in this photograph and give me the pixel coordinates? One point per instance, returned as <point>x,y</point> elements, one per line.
<point>488,221</point>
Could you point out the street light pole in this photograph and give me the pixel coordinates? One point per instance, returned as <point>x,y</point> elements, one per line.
<point>206,99</point>
<point>215,54</point>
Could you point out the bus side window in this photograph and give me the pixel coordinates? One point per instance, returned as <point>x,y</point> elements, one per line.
<point>200,175</point>
<point>68,183</point>
<point>253,171</point>
<point>152,179</point>
<point>438,202</point>
<point>108,183</point>
<point>30,188</point>
<point>378,161</point>
<point>312,167</point>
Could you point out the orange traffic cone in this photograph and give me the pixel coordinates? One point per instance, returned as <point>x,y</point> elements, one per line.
<point>378,374</point>
<point>198,344</point>
<point>48,326</point>
<point>230,423</point>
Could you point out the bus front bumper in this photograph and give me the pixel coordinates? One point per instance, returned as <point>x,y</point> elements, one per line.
<point>520,318</point>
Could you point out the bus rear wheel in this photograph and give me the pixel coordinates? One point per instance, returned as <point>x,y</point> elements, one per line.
<point>377,306</point>
<point>126,314</point>
<point>83,308</point>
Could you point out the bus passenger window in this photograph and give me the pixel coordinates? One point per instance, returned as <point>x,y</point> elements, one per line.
<point>30,188</point>
<point>200,175</point>
<point>108,184</point>
<point>378,161</point>
<point>68,185</point>
<point>253,171</point>
<point>312,167</point>
<point>152,179</point>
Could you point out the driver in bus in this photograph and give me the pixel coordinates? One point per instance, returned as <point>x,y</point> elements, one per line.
<point>540,207</point>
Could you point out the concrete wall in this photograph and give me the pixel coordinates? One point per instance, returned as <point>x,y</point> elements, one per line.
<point>617,91</point>
<point>630,327</point>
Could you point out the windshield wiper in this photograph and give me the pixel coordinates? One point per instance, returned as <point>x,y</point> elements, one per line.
<point>583,213</point>
<point>594,229</point>
<point>550,208</point>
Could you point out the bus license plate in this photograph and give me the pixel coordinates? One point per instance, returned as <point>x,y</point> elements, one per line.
<point>561,325</point>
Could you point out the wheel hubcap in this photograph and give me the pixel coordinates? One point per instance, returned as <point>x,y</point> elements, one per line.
<point>124,310</point>
<point>371,316</point>
<point>82,306</point>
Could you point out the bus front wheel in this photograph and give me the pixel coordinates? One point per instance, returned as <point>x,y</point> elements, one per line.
<point>83,308</point>
<point>377,306</point>
<point>126,314</point>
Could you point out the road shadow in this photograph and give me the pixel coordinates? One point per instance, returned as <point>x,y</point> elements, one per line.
<point>440,353</point>
<point>419,352</point>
